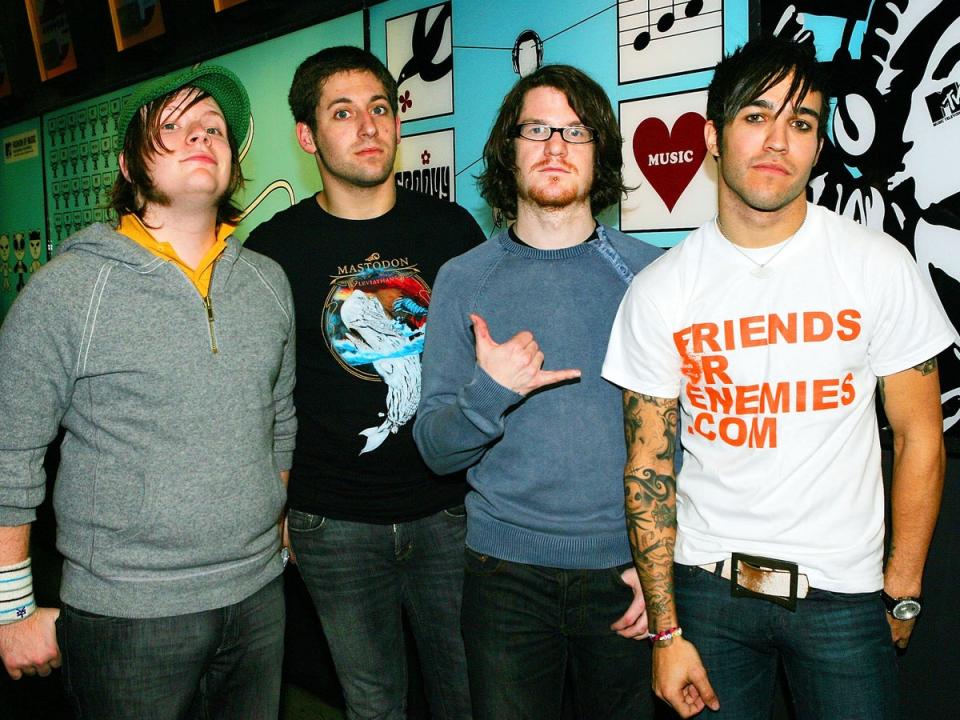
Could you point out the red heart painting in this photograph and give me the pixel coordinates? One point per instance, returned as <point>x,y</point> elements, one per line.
<point>670,158</point>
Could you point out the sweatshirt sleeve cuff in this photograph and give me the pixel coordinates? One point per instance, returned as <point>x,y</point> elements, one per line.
<point>484,398</point>
<point>284,459</point>
<point>13,517</point>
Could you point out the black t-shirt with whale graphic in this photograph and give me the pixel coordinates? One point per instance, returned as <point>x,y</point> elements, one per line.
<point>362,294</point>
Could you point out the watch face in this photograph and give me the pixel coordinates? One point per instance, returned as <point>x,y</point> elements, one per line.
<point>906,610</point>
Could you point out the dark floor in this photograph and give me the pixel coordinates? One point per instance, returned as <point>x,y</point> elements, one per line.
<point>299,704</point>
<point>41,699</point>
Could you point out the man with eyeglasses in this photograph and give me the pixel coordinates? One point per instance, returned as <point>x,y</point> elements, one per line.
<point>512,391</point>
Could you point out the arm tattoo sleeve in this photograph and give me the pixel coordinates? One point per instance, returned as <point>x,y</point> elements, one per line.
<point>650,427</point>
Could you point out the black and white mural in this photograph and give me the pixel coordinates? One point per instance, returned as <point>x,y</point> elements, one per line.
<point>892,157</point>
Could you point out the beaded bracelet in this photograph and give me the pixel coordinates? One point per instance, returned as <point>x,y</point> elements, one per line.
<point>16,592</point>
<point>666,634</point>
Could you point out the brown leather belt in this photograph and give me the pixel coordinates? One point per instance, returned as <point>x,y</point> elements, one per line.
<point>764,578</point>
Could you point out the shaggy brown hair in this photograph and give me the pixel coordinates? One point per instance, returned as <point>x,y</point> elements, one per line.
<point>498,181</point>
<point>143,141</point>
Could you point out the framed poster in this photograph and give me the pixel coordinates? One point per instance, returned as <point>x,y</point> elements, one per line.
<point>426,163</point>
<point>135,21</point>
<point>5,87</point>
<point>656,38</point>
<point>420,57</point>
<point>22,146</point>
<point>665,161</point>
<point>219,5</point>
<point>52,41</point>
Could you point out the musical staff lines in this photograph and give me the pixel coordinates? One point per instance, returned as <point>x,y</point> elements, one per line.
<point>657,38</point>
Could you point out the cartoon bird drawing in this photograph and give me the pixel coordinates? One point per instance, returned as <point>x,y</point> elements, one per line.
<point>425,43</point>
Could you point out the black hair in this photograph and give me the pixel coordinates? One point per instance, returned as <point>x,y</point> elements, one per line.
<point>752,69</point>
<point>313,73</point>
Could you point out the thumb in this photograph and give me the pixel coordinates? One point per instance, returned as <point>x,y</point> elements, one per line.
<point>481,331</point>
<point>707,693</point>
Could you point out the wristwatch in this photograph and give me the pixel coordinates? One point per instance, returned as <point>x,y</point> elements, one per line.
<point>902,608</point>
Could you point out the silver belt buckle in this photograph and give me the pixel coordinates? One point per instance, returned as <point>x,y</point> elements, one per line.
<point>764,563</point>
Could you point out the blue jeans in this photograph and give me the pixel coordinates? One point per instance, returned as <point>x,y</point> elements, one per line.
<point>526,626</point>
<point>222,663</point>
<point>836,650</point>
<point>362,577</point>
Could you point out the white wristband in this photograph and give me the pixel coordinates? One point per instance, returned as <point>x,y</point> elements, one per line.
<point>16,592</point>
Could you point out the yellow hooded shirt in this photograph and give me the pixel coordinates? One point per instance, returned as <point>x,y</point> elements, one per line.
<point>132,227</point>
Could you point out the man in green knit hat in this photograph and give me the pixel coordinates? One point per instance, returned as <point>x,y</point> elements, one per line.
<point>165,351</point>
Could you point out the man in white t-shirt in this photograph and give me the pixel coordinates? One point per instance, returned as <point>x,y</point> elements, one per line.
<point>764,335</point>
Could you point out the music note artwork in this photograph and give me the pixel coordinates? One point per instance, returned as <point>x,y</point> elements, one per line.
<point>668,37</point>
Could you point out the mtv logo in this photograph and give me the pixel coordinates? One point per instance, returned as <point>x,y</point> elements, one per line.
<point>944,103</point>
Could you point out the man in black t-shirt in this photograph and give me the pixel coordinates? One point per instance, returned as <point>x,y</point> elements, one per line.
<point>374,532</point>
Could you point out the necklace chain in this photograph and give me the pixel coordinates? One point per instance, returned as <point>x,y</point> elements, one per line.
<point>760,266</point>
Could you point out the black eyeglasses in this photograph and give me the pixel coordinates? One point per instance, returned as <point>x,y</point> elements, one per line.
<point>575,134</point>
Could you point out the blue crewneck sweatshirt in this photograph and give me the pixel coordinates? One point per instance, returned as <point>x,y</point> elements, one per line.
<point>546,471</point>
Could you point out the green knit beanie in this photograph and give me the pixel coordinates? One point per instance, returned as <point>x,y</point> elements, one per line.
<point>218,82</point>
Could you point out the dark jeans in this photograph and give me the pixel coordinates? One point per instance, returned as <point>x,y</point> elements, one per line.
<point>524,626</point>
<point>836,650</point>
<point>222,663</point>
<point>362,577</point>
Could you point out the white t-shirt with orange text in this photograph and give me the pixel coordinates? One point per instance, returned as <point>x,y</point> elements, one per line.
<point>776,371</point>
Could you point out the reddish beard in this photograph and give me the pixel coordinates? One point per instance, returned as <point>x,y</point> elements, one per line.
<point>553,194</point>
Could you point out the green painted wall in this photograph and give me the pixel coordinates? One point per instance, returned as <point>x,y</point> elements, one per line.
<point>21,213</point>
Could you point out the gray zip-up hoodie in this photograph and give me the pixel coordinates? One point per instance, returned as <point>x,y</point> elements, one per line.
<point>178,418</point>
